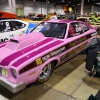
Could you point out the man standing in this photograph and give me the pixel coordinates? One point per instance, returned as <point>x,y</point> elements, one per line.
<point>54,17</point>
<point>71,16</point>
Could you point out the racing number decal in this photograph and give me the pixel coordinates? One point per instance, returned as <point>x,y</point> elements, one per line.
<point>39,61</point>
<point>3,40</point>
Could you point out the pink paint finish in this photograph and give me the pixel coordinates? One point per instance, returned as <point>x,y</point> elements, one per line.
<point>33,54</point>
<point>6,61</point>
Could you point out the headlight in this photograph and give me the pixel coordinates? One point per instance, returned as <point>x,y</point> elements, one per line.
<point>14,73</point>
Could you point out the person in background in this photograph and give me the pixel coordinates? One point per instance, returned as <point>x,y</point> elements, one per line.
<point>54,17</point>
<point>91,54</point>
<point>71,16</point>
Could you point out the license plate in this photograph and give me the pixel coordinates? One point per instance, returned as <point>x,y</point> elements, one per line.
<point>4,72</point>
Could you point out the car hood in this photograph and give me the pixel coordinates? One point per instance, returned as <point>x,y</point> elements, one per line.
<point>27,50</point>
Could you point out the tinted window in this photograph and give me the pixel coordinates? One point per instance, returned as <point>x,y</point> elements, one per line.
<point>5,26</point>
<point>51,29</point>
<point>85,27</point>
<point>17,25</point>
<point>74,29</point>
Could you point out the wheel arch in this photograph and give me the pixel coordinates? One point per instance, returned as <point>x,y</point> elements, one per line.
<point>53,62</point>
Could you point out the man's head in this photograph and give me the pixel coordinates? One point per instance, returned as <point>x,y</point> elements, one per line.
<point>55,13</point>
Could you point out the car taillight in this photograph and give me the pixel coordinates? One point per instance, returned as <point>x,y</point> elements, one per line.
<point>14,73</point>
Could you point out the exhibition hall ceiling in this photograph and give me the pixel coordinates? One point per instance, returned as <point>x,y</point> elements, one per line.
<point>71,2</point>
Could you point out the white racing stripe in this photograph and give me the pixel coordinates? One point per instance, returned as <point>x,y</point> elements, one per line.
<point>3,98</point>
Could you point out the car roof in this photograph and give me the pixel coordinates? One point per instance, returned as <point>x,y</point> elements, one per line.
<point>63,21</point>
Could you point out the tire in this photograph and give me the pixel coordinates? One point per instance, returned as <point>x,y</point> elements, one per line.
<point>98,30</point>
<point>45,74</point>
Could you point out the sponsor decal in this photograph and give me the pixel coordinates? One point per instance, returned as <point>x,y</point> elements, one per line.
<point>54,53</point>
<point>39,61</point>
<point>73,43</point>
<point>73,52</point>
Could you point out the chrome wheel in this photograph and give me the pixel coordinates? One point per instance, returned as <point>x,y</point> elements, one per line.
<point>45,72</point>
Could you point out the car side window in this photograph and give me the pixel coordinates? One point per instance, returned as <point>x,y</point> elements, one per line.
<point>85,27</point>
<point>5,26</point>
<point>74,29</point>
<point>17,25</point>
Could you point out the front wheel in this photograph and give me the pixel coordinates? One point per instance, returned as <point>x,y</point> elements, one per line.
<point>98,30</point>
<point>45,73</point>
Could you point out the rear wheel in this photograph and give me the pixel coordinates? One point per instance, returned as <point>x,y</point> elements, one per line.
<point>45,73</point>
<point>98,30</point>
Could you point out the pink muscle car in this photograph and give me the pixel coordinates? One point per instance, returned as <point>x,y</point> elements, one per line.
<point>32,58</point>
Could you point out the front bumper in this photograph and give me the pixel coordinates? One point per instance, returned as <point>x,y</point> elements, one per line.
<point>11,86</point>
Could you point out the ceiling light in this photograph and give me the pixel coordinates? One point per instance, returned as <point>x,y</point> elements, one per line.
<point>62,0</point>
<point>48,1</point>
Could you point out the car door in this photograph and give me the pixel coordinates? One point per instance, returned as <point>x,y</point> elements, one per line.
<point>18,28</point>
<point>81,35</point>
<point>76,41</point>
<point>5,30</point>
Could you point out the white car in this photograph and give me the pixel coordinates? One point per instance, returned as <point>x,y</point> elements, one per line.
<point>10,28</point>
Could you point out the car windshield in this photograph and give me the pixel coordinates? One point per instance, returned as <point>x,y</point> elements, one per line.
<point>50,29</point>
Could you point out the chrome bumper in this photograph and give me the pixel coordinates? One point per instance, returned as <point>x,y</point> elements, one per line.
<point>11,86</point>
